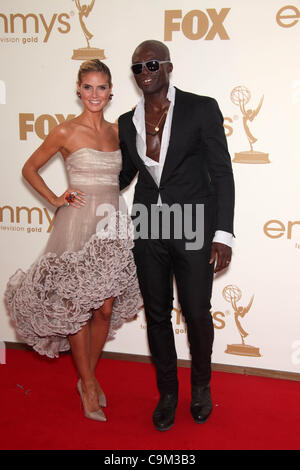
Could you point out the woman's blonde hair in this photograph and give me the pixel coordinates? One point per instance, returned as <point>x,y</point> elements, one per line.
<point>93,65</point>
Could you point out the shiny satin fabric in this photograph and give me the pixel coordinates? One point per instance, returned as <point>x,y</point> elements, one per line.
<point>97,175</point>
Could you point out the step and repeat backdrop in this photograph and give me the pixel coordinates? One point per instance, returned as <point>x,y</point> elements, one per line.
<point>244,54</point>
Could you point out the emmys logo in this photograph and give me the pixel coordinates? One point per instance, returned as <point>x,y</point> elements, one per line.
<point>277,229</point>
<point>86,53</point>
<point>288,16</point>
<point>180,326</point>
<point>2,353</point>
<point>240,96</point>
<point>14,217</point>
<point>195,24</point>
<point>2,92</point>
<point>233,294</point>
<point>38,21</point>
<point>218,320</point>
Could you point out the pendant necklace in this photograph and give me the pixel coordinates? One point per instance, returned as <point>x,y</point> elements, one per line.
<point>156,126</point>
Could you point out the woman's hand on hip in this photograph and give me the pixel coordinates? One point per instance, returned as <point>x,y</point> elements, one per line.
<point>71,197</point>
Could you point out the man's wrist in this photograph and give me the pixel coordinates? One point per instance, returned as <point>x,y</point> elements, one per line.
<point>223,237</point>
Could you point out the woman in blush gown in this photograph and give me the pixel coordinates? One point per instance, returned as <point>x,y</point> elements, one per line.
<point>84,285</point>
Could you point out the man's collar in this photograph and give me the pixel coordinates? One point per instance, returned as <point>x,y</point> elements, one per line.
<point>171,93</point>
<point>138,117</point>
<point>140,108</point>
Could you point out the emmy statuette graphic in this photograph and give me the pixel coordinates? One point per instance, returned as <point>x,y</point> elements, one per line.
<point>233,294</point>
<point>86,53</point>
<point>240,96</point>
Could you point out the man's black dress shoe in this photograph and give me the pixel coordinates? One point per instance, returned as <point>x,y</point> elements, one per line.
<point>164,413</point>
<point>201,405</point>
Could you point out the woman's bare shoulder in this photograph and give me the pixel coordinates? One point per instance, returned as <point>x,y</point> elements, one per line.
<point>66,127</point>
<point>59,133</point>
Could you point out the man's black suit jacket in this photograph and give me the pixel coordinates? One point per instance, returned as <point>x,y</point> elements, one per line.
<point>197,168</point>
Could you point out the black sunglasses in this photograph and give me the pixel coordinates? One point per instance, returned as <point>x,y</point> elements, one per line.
<point>152,66</point>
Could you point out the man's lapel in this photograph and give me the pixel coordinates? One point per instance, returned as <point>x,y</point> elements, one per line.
<point>174,153</point>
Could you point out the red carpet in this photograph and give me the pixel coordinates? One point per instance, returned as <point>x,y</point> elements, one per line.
<point>40,409</point>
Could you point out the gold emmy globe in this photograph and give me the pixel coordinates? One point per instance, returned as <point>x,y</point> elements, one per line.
<point>86,53</point>
<point>233,294</point>
<point>240,96</point>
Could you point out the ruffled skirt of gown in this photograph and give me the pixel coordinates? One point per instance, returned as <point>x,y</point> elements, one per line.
<point>55,297</point>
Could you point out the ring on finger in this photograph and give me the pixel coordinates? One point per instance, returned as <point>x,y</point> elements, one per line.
<point>69,197</point>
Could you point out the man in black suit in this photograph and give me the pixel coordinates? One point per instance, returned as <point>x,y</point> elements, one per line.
<point>176,141</point>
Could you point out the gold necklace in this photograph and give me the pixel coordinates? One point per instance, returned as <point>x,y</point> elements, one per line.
<point>156,127</point>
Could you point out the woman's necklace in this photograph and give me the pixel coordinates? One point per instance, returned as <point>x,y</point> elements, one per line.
<point>156,126</point>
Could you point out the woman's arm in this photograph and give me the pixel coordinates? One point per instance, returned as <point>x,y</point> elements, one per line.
<point>53,143</point>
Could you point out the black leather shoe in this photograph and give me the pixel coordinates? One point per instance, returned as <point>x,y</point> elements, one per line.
<point>201,405</point>
<point>164,413</point>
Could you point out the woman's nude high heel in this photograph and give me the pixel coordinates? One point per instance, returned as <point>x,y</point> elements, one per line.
<point>102,397</point>
<point>95,415</point>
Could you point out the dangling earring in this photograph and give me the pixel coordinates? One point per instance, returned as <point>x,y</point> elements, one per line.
<point>78,94</point>
<point>110,97</point>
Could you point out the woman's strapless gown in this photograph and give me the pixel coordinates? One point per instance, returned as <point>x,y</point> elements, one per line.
<point>79,268</point>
